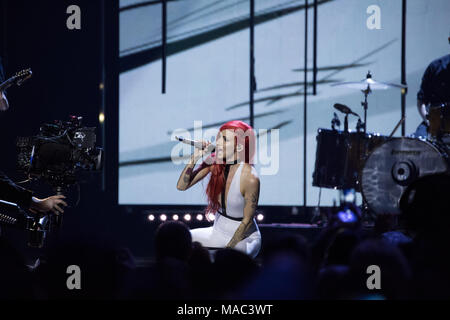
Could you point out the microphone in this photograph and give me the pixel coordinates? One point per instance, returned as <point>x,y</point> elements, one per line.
<point>194,143</point>
<point>344,109</point>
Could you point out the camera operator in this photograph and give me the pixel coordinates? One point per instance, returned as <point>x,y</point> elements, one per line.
<point>11,192</point>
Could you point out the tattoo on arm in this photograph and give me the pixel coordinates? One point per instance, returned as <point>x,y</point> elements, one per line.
<point>187,175</point>
<point>253,200</point>
<point>238,235</point>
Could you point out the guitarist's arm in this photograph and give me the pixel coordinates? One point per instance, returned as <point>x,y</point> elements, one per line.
<point>3,102</point>
<point>17,79</point>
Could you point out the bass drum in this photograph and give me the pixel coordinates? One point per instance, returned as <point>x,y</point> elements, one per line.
<point>391,167</point>
<point>340,157</point>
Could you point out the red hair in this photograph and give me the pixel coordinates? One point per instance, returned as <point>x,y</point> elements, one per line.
<point>217,178</point>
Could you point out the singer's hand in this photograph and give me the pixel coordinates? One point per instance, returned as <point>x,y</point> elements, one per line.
<point>207,148</point>
<point>53,204</point>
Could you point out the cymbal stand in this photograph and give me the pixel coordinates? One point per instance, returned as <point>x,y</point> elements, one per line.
<point>346,123</point>
<point>366,214</point>
<point>365,105</point>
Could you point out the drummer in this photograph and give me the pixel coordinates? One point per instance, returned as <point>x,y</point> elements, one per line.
<point>434,90</point>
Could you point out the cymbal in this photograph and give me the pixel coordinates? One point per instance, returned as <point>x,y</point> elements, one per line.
<point>369,83</point>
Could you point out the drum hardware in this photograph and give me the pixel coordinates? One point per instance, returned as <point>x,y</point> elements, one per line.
<point>347,111</point>
<point>359,125</point>
<point>397,126</point>
<point>335,121</point>
<point>365,104</point>
<point>366,86</point>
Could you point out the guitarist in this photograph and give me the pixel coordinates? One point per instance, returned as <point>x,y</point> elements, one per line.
<point>11,192</point>
<point>434,90</point>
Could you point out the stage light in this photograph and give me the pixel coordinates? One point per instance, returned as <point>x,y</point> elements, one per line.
<point>199,217</point>
<point>175,217</point>
<point>151,217</point>
<point>101,117</point>
<point>163,217</point>
<point>187,217</point>
<point>260,217</point>
<point>211,216</point>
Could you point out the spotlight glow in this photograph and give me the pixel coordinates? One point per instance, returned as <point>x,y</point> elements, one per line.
<point>151,217</point>
<point>199,217</point>
<point>101,117</point>
<point>211,216</point>
<point>175,217</point>
<point>260,217</point>
<point>187,217</point>
<point>163,217</point>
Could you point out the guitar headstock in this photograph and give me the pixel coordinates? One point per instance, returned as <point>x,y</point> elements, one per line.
<point>21,76</point>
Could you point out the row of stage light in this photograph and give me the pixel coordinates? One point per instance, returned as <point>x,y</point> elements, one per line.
<point>187,217</point>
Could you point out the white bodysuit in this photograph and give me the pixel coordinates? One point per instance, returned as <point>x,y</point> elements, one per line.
<point>224,227</point>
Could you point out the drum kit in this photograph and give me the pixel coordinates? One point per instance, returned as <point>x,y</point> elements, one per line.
<point>380,167</point>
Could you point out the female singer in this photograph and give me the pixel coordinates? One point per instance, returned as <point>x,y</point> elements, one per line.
<point>232,177</point>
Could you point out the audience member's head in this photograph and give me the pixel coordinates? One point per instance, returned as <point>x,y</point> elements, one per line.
<point>201,272</point>
<point>385,222</point>
<point>332,282</point>
<point>341,247</point>
<point>173,240</point>
<point>80,270</point>
<point>425,204</point>
<point>284,276</point>
<point>232,269</point>
<point>290,242</point>
<point>200,257</point>
<point>374,255</point>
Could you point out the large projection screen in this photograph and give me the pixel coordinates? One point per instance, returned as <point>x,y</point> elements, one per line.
<point>208,83</point>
